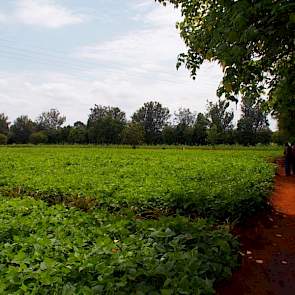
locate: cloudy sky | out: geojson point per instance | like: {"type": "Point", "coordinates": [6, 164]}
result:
{"type": "Point", "coordinates": [72, 54]}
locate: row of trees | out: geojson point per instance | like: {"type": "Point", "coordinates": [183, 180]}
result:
{"type": "Point", "coordinates": [151, 124]}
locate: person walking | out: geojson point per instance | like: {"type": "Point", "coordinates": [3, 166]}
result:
{"type": "Point", "coordinates": [288, 158]}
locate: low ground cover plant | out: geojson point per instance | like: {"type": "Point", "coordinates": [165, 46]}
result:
{"type": "Point", "coordinates": [121, 221]}
{"type": "Point", "coordinates": [58, 250]}
{"type": "Point", "coordinates": [220, 184]}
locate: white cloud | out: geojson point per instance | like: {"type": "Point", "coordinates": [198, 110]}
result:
{"type": "Point", "coordinates": [46, 13]}
{"type": "Point", "coordinates": [131, 69]}
{"type": "Point", "coordinates": [147, 50]}
{"type": "Point", "coordinates": [42, 13]}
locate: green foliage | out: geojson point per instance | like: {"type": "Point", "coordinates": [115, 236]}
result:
{"type": "Point", "coordinates": [252, 41]}
{"type": "Point", "coordinates": [200, 129]}
{"type": "Point", "coordinates": [78, 134]}
{"type": "Point", "coordinates": [51, 120]}
{"type": "Point", "coordinates": [220, 122]}
{"type": "Point", "coordinates": [4, 124]}
{"type": "Point", "coordinates": [38, 137]}
{"type": "Point", "coordinates": [21, 130]}
{"type": "Point", "coordinates": [3, 139]}
{"type": "Point", "coordinates": [153, 117]}
{"type": "Point", "coordinates": [133, 134]}
{"type": "Point", "coordinates": [66, 251]}
{"type": "Point", "coordinates": [211, 184]}
{"type": "Point", "coordinates": [92, 233]}
{"type": "Point", "coordinates": [105, 124]}
{"type": "Point", "coordinates": [253, 127]}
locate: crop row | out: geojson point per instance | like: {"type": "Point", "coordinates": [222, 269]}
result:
{"type": "Point", "coordinates": [219, 184]}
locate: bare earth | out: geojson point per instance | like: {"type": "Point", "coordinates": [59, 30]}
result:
{"type": "Point", "coordinates": [268, 248]}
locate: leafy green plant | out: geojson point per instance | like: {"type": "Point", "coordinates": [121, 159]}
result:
{"type": "Point", "coordinates": [66, 251]}
{"type": "Point", "coordinates": [227, 184]}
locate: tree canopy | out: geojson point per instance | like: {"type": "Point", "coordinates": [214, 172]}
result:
{"type": "Point", "coordinates": [105, 124]}
{"type": "Point", "coordinates": [51, 120]}
{"type": "Point", "coordinates": [4, 124]}
{"type": "Point", "coordinates": [153, 117]}
{"type": "Point", "coordinates": [253, 40]}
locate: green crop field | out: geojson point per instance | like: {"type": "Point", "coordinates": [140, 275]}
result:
{"type": "Point", "coordinates": [90, 220]}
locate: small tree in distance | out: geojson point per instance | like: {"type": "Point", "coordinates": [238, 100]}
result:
{"type": "Point", "coordinates": [3, 139]}
{"type": "Point", "coordinates": [4, 124]}
{"type": "Point", "coordinates": [153, 117]}
{"type": "Point", "coordinates": [133, 134]}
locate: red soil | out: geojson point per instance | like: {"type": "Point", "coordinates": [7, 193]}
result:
{"type": "Point", "coordinates": [268, 248]}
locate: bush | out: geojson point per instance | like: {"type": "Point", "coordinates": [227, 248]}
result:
{"type": "Point", "coordinates": [3, 139]}
{"type": "Point", "coordinates": [38, 137]}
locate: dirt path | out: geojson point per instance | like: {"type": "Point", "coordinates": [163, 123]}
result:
{"type": "Point", "coordinates": [268, 248]}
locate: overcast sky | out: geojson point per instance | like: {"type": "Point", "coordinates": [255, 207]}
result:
{"type": "Point", "coordinates": [72, 54]}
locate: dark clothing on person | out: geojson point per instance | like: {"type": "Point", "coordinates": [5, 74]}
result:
{"type": "Point", "coordinates": [288, 159]}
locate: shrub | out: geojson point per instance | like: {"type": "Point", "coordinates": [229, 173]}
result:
{"type": "Point", "coordinates": [38, 137]}
{"type": "Point", "coordinates": [3, 139]}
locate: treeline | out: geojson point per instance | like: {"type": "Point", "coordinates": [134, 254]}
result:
{"type": "Point", "coordinates": [151, 124]}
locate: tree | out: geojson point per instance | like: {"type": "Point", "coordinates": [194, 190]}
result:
{"type": "Point", "coordinates": [153, 117]}
{"type": "Point", "coordinates": [4, 124]}
{"type": "Point", "coordinates": [213, 136]}
{"type": "Point", "coordinates": [253, 122]}
{"type": "Point", "coordinates": [200, 129]}
{"type": "Point", "coordinates": [168, 134]}
{"type": "Point", "coordinates": [3, 139]}
{"type": "Point", "coordinates": [220, 119]}
{"type": "Point", "coordinates": [184, 119]}
{"type": "Point", "coordinates": [133, 134]}
{"type": "Point", "coordinates": [254, 43]}
{"type": "Point", "coordinates": [78, 133]}
{"type": "Point", "coordinates": [219, 116]}
{"type": "Point", "coordinates": [105, 124]}
{"type": "Point", "coordinates": [21, 130]}
{"type": "Point", "coordinates": [51, 122]}
{"type": "Point", "coordinates": [38, 137]}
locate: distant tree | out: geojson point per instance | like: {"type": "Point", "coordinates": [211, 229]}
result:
{"type": "Point", "coordinates": [184, 117]}
{"type": "Point", "coordinates": [105, 124]}
{"type": "Point", "coordinates": [21, 130]}
{"type": "Point", "coordinates": [253, 121]}
{"type": "Point", "coordinates": [220, 121]}
{"type": "Point", "coordinates": [78, 133]}
{"type": "Point", "coordinates": [38, 137]}
{"type": "Point", "coordinates": [3, 139]}
{"type": "Point", "coordinates": [79, 124]}
{"type": "Point", "coordinates": [51, 122]}
{"type": "Point", "coordinates": [200, 129]}
{"type": "Point", "coordinates": [133, 134]}
{"type": "Point", "coordinates": [153, 117]}
{"type": "Point", "coordinates": [62, 135]}
{"type": "Point", "coordinates": [184, 120]}
{"type": "Point", "coordinates": [214, 136]}
{"type": "Point", "coordinates": [168, 134]}
{"type": "Point", "coordinates": [4, 124]}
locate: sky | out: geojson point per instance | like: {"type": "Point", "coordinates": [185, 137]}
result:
{"type": "Point", "coordinates": [73, 54]}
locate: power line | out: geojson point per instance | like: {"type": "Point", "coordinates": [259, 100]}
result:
{"type": "Point", "coordinates": [63, 62]}
{"type": "Point", "coordinates": [64, 58]}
